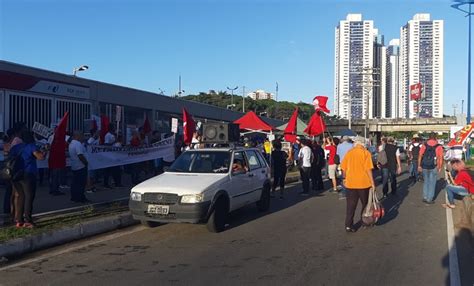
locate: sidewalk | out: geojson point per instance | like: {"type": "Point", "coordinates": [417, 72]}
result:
{"type": "Point", "coordinates": [44, 202]}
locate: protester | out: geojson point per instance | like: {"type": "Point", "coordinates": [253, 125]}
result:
{"type": "Point", "coordinates": [278, 164]}
{"type": "Point", "coordinates": [109, 140]}
{"type": "Point", "coordinates": [79, 166]}
{"type": "Point", "coordinates": [116, 171]}
{"type": "Point", "coordinates": [305, 158]}
{"type": "Point", "coordinates": [342, 150]}
{"type": "Point", "coordinates": [332, 166]}
{"type": "Point", "coordinates": [135, 168]}
{"type": "Point", "coordinates": [392, 168]}
{"type": "Point", "coordinates": [24, 189]}
{"type": "Point", "coordinates": [267, 146]}
{"type": "Point", "coordinates": [357, 172]}
{"type": "Point", "coordinates": [8, 198]}
{"type": "Point", "coordinates": [413, 154]}
{"type": "Point", "coordinates": [430, 162]}
{"type": "Point", "coordinates": [462, 185]}
{"type": "Point", "coordinates": [318, 163]}
{"type": "Point", "coordinates": [93, 140]}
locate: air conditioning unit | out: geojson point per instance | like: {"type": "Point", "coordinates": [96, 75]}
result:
{"type": "Point", "coordinates": [220, 132]}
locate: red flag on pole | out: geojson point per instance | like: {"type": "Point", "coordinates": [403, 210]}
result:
{"type": "Point", "coordinates": [57, 154]}
{"type": "Point", "coordinates": [104, 127]}
{"type": "Point", "coordinates": [146, 125]}
{"type": "Point", "coordinates": [320, 102]}
{"type": "Point", "coordinates": [291, 129]}
{"type": "Point", "coordinates": [316, 125]}
{"type": "Point", "coordinates": [189, 127]}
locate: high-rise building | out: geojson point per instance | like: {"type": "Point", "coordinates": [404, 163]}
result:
{"type": "Point", "coordinates": [392, 80]}
{"type": "Point", "coordinates": [421, 61]}
{"type": "Point", "coordinates": [354, 52]}
{"type": "Point", "coordinates": [379, 88]}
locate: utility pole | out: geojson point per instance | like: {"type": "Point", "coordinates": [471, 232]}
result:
{"type": "Point", "coordinates": [276, 92]}
{"type": "Point", "coordinates": [455, 106]}
{"type": "Point", "coordinates": [243, 99]}
{"type": "Point", "coordinates": [368, 83]}
{"type": "Point", "coordinates": [462, 106]}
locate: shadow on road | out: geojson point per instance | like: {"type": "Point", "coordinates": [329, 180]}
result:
{"type": "Point", "coordinates": [291, 198]}
{"type": "Point", "coordinates": [393, 202]}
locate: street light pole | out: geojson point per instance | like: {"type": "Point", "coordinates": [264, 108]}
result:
{"type": "Point", "coordinates": [232, 94]}
{"type": "Point", "coordinates": [457, 5]}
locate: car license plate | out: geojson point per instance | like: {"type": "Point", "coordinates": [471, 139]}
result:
{"type": "Point", "coordinates": [158, 209]}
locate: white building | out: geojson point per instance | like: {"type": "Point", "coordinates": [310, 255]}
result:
{"type": "Point", "coordinates": [392, 80]}
{"type": "Point", "coordinates": [421, 61]}
{"type": "Point", "coordinates": [354, 51]}
{"type": "Point", "coordinates": [260, 94]}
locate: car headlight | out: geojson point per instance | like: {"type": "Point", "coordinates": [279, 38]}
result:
{"type": "Point", "coordinates": [191, 199]}
{"type": "Point", "coordinates": [135, 196]}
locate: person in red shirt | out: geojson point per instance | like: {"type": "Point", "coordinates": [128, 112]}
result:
{"type": "Point", "coordinates": [430, 162]}
{"type": "Point", "coordinates": [463, 184]}
{"type": "Point", "coordinates": [332, 167]}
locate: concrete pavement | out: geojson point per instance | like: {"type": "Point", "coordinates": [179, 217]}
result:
{"type": "Point", "coordinates": [301, 241]}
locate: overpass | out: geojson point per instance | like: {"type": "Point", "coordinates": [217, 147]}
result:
{"type": "Point", "coordinates": [395, 125]}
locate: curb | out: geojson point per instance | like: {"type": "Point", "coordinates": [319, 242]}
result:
{"type": "Point", "coordinates": [52, 238]}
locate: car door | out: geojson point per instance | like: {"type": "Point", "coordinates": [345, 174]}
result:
{"type": "Point", "coordinates": [240, 183]}
{"type": "Point", "coordinates": [257, 173]}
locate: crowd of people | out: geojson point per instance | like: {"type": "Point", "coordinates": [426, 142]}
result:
{"type": "Point", "coordinates": [349, 165]}
{"type": "Point", "coordinates": [19, 142]}
{"type": "Point", "coordinates": [351, 168]}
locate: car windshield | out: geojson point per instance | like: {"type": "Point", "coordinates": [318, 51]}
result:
{"type": "Point", "coordinates": [202, 162]}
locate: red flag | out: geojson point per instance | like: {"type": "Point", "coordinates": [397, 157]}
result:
{"type": "Point", "coordinates": [57, 154]}
{"type": "Point", "coordinates": [320, 102]}
{"type": "Point", "coordinates": [146, 125]}
{"type": "Point", "coordinates": [291, 129]}
{"type": "Point", "coordinates": [104, 127]}
{"type": "Point", "coordinates": [316, 125]}
{"type": "Point", "coordinates": [462, 135]}
{"type": "Point", "coordinates": [189, 127]}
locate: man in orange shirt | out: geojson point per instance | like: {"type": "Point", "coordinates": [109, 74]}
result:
{"type": "Point", "coordinates": [430, 162]}
{"type": "Point", "coordinates": [357, 170]}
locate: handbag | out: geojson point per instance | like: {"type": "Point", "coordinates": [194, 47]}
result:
{"type": "Point", "coordinates": [13, 170]}
{"type": "Point", "coordinates": [374, 210]}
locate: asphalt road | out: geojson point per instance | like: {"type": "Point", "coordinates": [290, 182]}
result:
{"type": "Point", "coordinates": [301, 241]}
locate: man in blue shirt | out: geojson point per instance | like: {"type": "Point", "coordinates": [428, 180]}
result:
{"type": "Point", "coordinates": [342, 150]}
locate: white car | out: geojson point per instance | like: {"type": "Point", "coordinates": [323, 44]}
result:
{"type": "Point", "coordinates": [202, 186]}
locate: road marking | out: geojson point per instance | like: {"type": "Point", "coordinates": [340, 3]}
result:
{"type": "Point", "coordinates": [72, 248]}
{"type": "Point", "coordinates": [454, 276]}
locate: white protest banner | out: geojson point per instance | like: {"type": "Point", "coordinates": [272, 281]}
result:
{"type": "Point", "coordinates": [174, 125]}
{"type": "Point", "coordinates": [42, 130]}
{"type": "Point", "coordinates": [100, 157]}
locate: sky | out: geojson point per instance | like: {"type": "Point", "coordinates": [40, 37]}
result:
{"type": "Point", "coordinates": [213, 44]}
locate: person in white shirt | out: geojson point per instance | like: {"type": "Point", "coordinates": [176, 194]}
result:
{"type": "Point", "coordinates": [79, 168]}
{"type": "Point", "coordinates": [305, 159]}
{"type": "Point", "coordinates": [109, 138]}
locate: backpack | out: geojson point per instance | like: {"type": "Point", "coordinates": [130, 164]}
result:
{"type": "Point", "coordinates": [428, 161]}
{"type": "Point", "coordinates": [13, 170]}
{"type": "Point", "coordinates": [415, 151]}
{"type": "Point", "coordinates": [382, 157]}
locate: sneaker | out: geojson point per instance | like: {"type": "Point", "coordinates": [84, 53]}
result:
{"type": "Point", "coordinates": [429, 202]}
{"type": "Point", "coordinates": [28, 225]}
{"type": "Point", "coordinates": [64, 187]}
{"type": "Point", "coordinates": [91, 191]}
{"type": "Point", "coordinates": [350, 229]}
{"type": "Point", "coordinates": [342, 197]}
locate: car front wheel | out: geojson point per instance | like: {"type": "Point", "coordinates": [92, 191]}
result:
{"type": "Point", "coordinates": [217, 219]}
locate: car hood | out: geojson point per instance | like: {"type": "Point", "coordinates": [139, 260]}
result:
{"type": "Point", "coordinates": [179, 183]}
